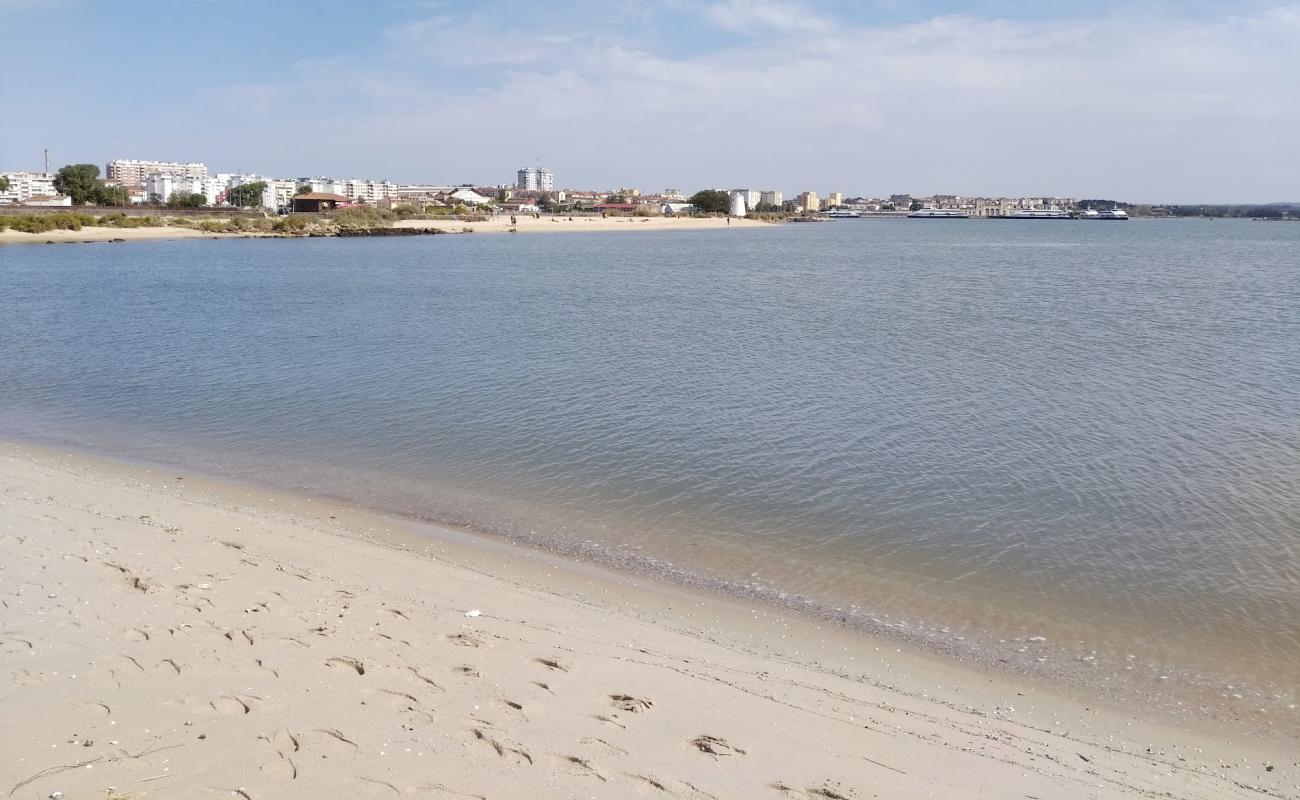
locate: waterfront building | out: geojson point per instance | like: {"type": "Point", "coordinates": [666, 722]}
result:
{"type": "Point", "coordinates": [23, 186]}
{"type": "Point", "coordinates": [368, 191]}
{"type": "Point", "coordinates": [770, 197]}
{"type": "Point", "coordinates": [160, 186]}
{"type": "Point", "coordinates": [833, 200]}
{"type": "Point", "coordinates": [128, 172]}
{"type": "Point", "coordinates": [752, 197]}
{"type": "Point", "coordinates": [808, 201]}
{"type": "Point", "coordinates": [538, 179]}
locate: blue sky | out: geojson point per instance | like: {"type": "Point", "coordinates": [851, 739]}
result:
{"type": "Point", "coordinates": [1150, 101]}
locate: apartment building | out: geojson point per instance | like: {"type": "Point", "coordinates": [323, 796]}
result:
{"type": "Point", "coordinates": [833, 200]}
{"type": "Point", "coordinates": [752, 197]}
{"type": "Point", "coordinates": [537, 179]}
{"type": "Point", "coordinates": [128, 172]}
{"type": "Point", "coordinates": [770, 197]}
{"type": "Point", "coordinates": [23, 186]}
{"type": "Point", "coordinates": [808, 201]}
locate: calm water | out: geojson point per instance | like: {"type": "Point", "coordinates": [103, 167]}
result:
{"type": "Point", "coordinates": [971, 433]}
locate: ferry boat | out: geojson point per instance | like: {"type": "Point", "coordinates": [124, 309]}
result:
{"type": "Point", "coordinates": [1114, 214]}
{"type": "Point", "coordinates": [939, 213]}
{"type": "Point", "coordinates": [843, 213]}
{"type": "Point", "coordinates": [1051, 212]}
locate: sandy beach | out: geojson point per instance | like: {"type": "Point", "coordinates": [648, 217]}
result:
{"type": "Point", "coordinates": [100, 234]}
{"type": "Point", "coordinates": [494, 225]}
{"type": "Point", "coordinates": [167, 635]}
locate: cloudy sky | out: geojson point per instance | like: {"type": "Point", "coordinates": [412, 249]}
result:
{"type": "Point", "coordinates": [1143, 100]}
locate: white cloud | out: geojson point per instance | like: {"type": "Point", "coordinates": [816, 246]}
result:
{"type": "Point", "coordinates": [1134, 107]}
{"type": "Point", "coordinates": [762, 16]}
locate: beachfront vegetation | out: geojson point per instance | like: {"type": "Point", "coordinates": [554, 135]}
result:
{"type": "Point", "coordinates": [186, 200]}
{"type": "Point", "coordinates": [363, 217]}
{"type": "Point", "coordinates": [711, 201]}
{"type": "Point", "coordinates": [4, 183]}
{"type": "Point", "coordinates": [247, 195]}
{"type": "Point", "coordinates": [41, 223]}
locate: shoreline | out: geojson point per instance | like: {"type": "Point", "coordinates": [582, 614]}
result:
{"type": "Point", "coordinates": [97, 234]}
{"type": "Point", "coordinates": [832, 695]}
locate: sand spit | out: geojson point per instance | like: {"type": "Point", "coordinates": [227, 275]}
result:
{"type": "Point", "coordinates": [168, 636]}
{"type": "Point", "coordinates": [91, 234]}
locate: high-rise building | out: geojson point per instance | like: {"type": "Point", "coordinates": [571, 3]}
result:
{"type": "Point", "coordinates": [535, 179]}
{"type": "Point", "coordinates": [770, 197]}
{"type": "Point", "coordinates": [808, 201]}
{"type": "Point", "coordinates": [833, 200]}
{"type": "Point", "coordinates": [128, 172]}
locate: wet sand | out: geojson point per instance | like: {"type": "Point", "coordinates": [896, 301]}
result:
{"type": "Point", "coordinates": [167, 635]}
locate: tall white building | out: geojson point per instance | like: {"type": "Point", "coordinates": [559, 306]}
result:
{"type": "Point", "coordinates": [536, 179]}
{"type": "Point", "coordinates": [369, 192]}
{"type": "Point", "coordinates": [159, 187]}
{"type": "Point", "coordinates": [25, 185]}
{"type": "Point", "coordinates": [128, 172]}
{"type": "Point", "coordinates": [770, 197]}
{"type": "Point", "coordinates": [752, 197]}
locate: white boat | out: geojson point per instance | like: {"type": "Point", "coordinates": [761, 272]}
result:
{"type": "Point", "coordinates": [843, 213]}
{"type": "Point", "coordinates": [1051, 212]}
{"type": "Point", "coordinates": [939, 213]}
{"type": "Point", "coordinates": [1114, 214]}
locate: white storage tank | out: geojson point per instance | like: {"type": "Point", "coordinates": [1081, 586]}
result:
{"type": "Point", "coordinates": [737, 204]}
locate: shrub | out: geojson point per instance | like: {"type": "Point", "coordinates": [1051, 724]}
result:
{"type": "Point", "coordinates": [290, 224]}
{"type": "Point", "coordinates": [363, 217]}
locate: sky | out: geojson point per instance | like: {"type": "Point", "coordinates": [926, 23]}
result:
{"type": "Point", "coordinates": [1141, 100]}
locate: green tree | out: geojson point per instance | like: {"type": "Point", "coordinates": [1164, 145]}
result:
{"type": "Point", "coordinates": [112, 195]}
{"type": "Point", "coordinates": [711, 201]}
{"type": "Point", "coordinates": [616, 198]}
{"type": "Point", "coordinates": [917, 205]}
{"type": "Point", "coordinates": [4, 183]}
{"type": "Point", "coordinates": [304, 189]}
{"type": "Point", "coordinates": [80, 182]}
{"type": "Point", "coordinates": [247, 195]}
{"type": "Point", "coordinates": [186, 200]}
{"type": "Point", "coordinates": [544, 202]}
{"type": "Point", "coordinates": [501, 196]}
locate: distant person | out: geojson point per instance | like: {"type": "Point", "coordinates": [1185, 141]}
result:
{"type": "Point", "coordinates": [513, 221]}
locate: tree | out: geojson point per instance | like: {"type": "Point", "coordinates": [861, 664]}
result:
{"type": "Point", "coordinates": [501, 196]}
{"type": "Point", "coordinates": [4, 183]}
{"type": "Point", "coordinates": [711, 201]}
{"type": "Point", "coordinates": [616, 198]}
{"type": "Point", "coordinates": [917, 205]}
{"type": "Point", "coordinates": [80, 182]}
{"type": "Point", "coordinates": [544, 202]}
{"type": "Point", "coordinates": [304, 189]}
{"type": "Point", "coordinates": [247, 195]}
{"type": "Point", "coordinates": [186, 200]}
{"type": "Point", "coordinates": [112, 195]}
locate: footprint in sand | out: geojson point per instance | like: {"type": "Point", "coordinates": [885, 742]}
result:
{"type": "Point", "coordinates": [626, 702]}
{"type": "Point", "coordinates": [465, 640]}
{"type": "Point", "coordinates": [715, 746]}
{"type": "Point", "coordinates": [232, 704]}
{"type": "Point", "coordinates": [346, 663]}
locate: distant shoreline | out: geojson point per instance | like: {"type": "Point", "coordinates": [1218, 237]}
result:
{"type": "Point", "coordinates": [545, 224]}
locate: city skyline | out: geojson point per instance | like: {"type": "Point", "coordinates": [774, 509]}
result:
{"type": "Point", "coordinates": [1144, 102]}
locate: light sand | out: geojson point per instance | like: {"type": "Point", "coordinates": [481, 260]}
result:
{"type": "Point", "coordinates": [547, 224]}
{"type": "Point", "coordinates": [493, 225]}
{"type": "Point", "coordinates": [97, 234]}
{"type": "Point", "coordinates": [167, 636]}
